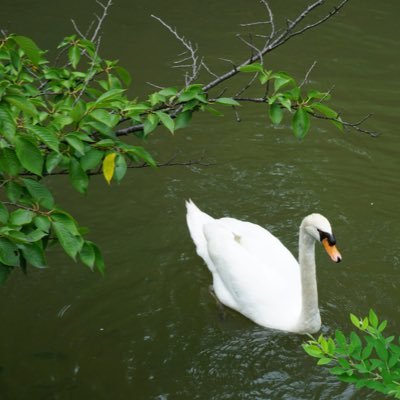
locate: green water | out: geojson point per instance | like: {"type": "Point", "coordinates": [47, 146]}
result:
{"type": "Point", "coordinates": [150, 329]}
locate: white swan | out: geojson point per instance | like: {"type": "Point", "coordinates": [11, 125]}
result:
{"type": "Point", "coordinates": [256, 275]}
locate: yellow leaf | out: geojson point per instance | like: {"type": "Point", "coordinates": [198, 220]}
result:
{"type": "Point", "coordinates": [109, 166]}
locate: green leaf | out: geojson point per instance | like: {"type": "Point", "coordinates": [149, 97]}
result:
{"type": "Point", "coordinates": [300, 123]}
{"type": "Point", "coordinates": [143, 154]}
{"type": "Point", "coordinates": [9, 162]}
{"type": "Point", "coordinates": [74, 55]}
{"type": "Point", "coordinates": [373, 319]}
{"type": "Point", "coordinates": [14, 191]}
{"type": "Point", "coordinates": [183, 119]}
{"type": "Point", "coordinates": [99, 262]}
{"type": "Point", "coordinates": [228, 101]}
{"type": "Point", "coordinates": [255, 67]}
{"type": "Point", "coordinates": [382, 326]}
{"type": "Point", "coordinates": [21, 217]}
{"type": "Point", "coordinates": [29, 155]}
{"type": "Point", "coordinates": [4, 214]}
{"type": "Point", "coordinates": [33, 254]}
{"type": "Point", "coordinates": [105, 117]}
{"type": "Point", "coordinates": [65, 219]}
{"type": "Point", "coordinates": [109, 95]}
{"type": "Point", "coordinates": [120, 167]}
{"type": "Point", "coordinates": [324, 110]}
{"type": "Point", "coordinates": [354, 320]}
{"type": "Point", "coordinates": [46, 136]}
{"type": "Point", "coordinates": [7, 123]}
{"type": "Point", "coordinates": [42, 222]}
{"type": "Point", "coordinates": [171, 91]}
{"type": "Point", "coordinates": [23, 104]}
{"type": "Point", "coordinates": [166, 120]}
{"type": "Point", "coordinates": [381, 350]}
{"type": "Point", "coordinates": [124, 75]}
{"type": "Point", "coordinates": [88, 255]}
{"type": "Point", "coordinates": [150, 123]}
{"type": "Point", "coordinates": [91, 159]}
{"type": "Point", "coordinates": [29, 47]}
{"type": "Point", "coordinates": [75, 143]}
{"type": "Point", "coordinates": [324, 361]}
{"type": "Point", "coordinates": [39, 193]}
{"type": "Point", "coordinates": [52, 161]}
{"type": "Point", "coordinates": [78, 177]}
{"type": "Point", "coordinates": [313, 350]}
{"type": "Point", "coordinates": [71, 244]}
{"type": "Point", "coordinates": [275, 113]}
{"type": "Point", "coordinates": [8, 253]}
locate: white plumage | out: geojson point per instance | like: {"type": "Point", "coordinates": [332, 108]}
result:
{"type": "Point", "coordinates": [256, 275]}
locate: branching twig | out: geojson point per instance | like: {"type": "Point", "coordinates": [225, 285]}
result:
{"type": "Point", "coordinates": [308, 74]}
{"type": "Point", "coordinates": [196, 64]}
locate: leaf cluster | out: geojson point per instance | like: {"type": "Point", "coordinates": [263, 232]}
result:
{"type": "Point", "coordinates": [287, 96]}
{"type": "Point", "coordinates": [366, 359]}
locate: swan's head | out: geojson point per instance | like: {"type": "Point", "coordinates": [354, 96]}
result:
{"type": "Point", "coordinates": [319, 228]}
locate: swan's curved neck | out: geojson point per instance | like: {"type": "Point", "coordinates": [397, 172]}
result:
{"type": "Point", "coordinates": [310, 317]}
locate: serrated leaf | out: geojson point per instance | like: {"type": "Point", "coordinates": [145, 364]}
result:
{"type": "Point", "coordinates": [7, 123]}
{"type": "Point", "coordinates": [29, 155]}
{"type": "Point", "coordinates": [88, 255]}
{"type": "Point", "coordinates": [183, 119]}
{"type": "Point", "coordinates": [143, 154]}
{"type": "Point", "coordinates": [9, 162]}
{"type": "Point", "coordinates": [78, 176]}
{"type": "Point", "coordinates": [39, 193]}
{"type": "Point", "coordinates": [42, 222]}
{"type": "Point", "coordinates": [46, 136]}
{"type": "Point", "coordinates": [324, 110]}
{"type": "Point", "coordinates": [255, 67]}
{"type": "Point", "coordinates": [300, 123]}
{"type": "Point", "coordinates": [124, 75]}
{"type": "Point", "coordinates": [105, 117]}
{"type": "Point", "coordinates": [171, 91]}
{"type": "Point", "coordinates": [29, 47]}
{"type": "Point", "coordinates": [21, 217]}
{"type": "Point", "coordinates": [8, 253]}
{"type": "Point", "coordinates": [91, 159]}
{"type": "Point", "coordinates": [74, 55]}
{"type": "Point", "coordinates": [166, 120]}
{"type": "Point", "coordinates": [227, 101]}
{"type": "Point", "coordinates": [71, 244]}
{"type": "Point", "coordinates": [110, 95]}
{"type": "Point", "coordinates": [99, 262]}
{"type": "Point", "coordinates": [52, 161]}
{"type": "Point", "coordinates": [275, 113]}
{"type": "Point", "coordinates": [23, 104]}
{"type": "Point", "coordinates": [120, 167]}
{"type": "Point", "coordinates": [109, 166]}
{"type": "Point", "coordinates": [33, 254]}
{"type": "Point", "coordinates": [75, 143]}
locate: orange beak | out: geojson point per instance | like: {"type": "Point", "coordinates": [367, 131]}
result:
{"type": "Point", "coordinates": [332, 251]}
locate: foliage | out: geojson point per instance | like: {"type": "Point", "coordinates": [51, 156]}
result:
{"type": "Point", "coordinates": [372, 360]}
{"type": "Point", "coordinates": [68, 118]}
{"type": "Point", "coordinates": [291, 99]}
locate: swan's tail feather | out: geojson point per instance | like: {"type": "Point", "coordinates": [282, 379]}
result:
{"type": "Point", "coordinates": [196, 219]}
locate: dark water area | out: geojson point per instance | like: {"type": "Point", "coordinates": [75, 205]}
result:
{"type": "Point", "coordinates": [150, 329]}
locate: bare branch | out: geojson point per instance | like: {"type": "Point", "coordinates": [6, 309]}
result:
{"type": "Point", "coordinates": [196, 64]}
{"type": "Point", "coordinates": [101, 19]}
{"type": "Point", "coordinates": [308, 74]}
{"type": "Point", "coordinates": [77, 29]}
{"type": "Point", "coordinates": [279, 38]}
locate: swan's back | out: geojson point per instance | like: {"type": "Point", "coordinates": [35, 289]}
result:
{"type": "Point", "coordinates": [253, 272]}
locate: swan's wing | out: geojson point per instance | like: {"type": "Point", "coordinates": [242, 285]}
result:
{"type": "Point", "coordinates": [269, 295]}
{"type": "Point", "coordinates": [261, 244]}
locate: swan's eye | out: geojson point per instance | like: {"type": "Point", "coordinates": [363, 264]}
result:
{"type": "Point", "coordinates": [325, 235]}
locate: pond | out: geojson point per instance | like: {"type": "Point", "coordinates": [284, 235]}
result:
{"type": "Point", "coordinates": [149, 329]}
